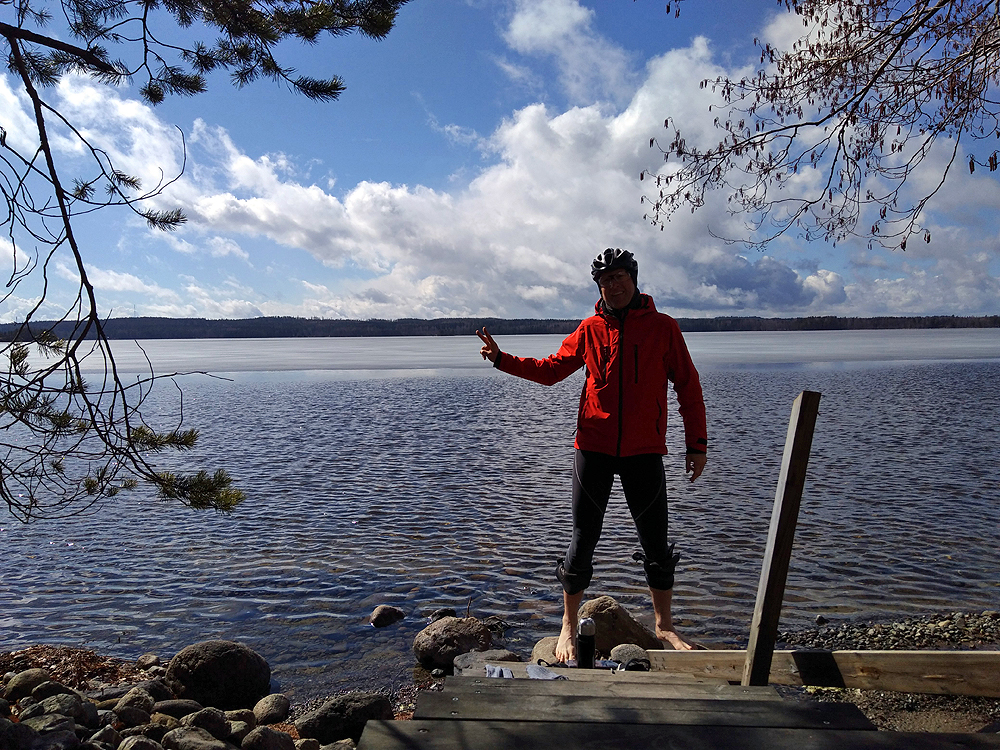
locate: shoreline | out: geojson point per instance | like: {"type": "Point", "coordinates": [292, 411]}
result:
{"type": "Point", "coordinates": [84, 669]}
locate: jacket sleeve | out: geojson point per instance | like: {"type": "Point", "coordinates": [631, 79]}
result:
{"type": "Point", "coordinates": [687, 386]}
{"type": "Point", "coordinates": [550, 370]}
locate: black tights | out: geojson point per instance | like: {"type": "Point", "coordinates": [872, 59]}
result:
{"type": "Point", "coordinates": [646, 494]}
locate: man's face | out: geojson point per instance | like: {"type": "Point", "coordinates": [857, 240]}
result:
{"type": "Point", "coordinates": [616, 288]}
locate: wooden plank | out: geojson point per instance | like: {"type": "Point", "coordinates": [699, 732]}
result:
{"type": "Point", "coordinates": [778, 551]}
{"type": "Point", "coordinates": [503, 688]}
{"type": "Point", "coordinates": [519, 670]}
{"type": "Point", "coordinates": [938, 672]}
{"type": "Point", "coordinates": [609, 709]}
{"type": "Point", "coordinates": [479, 735]}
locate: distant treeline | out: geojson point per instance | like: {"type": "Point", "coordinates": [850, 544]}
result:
{"type": "Point", "coordinates": [200, 328]}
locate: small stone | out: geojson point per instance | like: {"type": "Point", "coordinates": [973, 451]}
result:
{"type": "Point", "coordinates": [240, 729]}
{"type": "Point", "coordinates": [265, 738]}
{"type": "Point", "coordinates": [146, 661]}
{"type": "Point", "coordinates": [384, 615]}
{"type": "Point", "coordinates": [272, 709]}
{"type": "Point", "coordinates": [178, 707]}
{"type": "Point", "coordinates": [212, 720]}
{"type": "Point", "coordinates": [307, 744]}
{"type": "Point", "coordinates": [246, 715]}
{"type": "Point", "coordinates": [626, 652]}
{"type": "Point", "coordinates": [821, 621]}
{"type": "Point", "coordinates": [438, 673]}
{"type": "Point", "coordinates": [60, 740]}
{"type": "Point", "coordinates": [136, 698]}
{"type": "Point", "coordinates": [140, 742]}
{"type": "Point", "coordinates": [131, 716]}
{"type": "Point", "coordinates": [21, 684]}
{"type": "Point", "coordinates": [192, 738]}
{"type": "Point", "coordinates": [107, 736]}
{"type": "Point", "coordinates": [165, 720]}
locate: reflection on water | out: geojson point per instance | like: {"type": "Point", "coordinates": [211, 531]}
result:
{"type": "Point", "coordinates": [453, 490]}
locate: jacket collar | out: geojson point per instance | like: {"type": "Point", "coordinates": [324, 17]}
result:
{"type": "Point", "coordinates": [640, 304]}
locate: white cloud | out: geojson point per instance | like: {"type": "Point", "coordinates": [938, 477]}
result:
{"type": "Point", "coordinates": [590, 67]}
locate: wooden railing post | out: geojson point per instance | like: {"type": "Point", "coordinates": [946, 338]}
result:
{"type": "Point", "coordinates": [771, 591]}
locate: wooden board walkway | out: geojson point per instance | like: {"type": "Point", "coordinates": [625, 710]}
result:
{"type": "Point", "coordinates": [939, 672]}
{"type": "Point", "coordinates": [636, 711]}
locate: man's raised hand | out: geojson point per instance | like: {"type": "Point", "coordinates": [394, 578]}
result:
{"type": "Point", "coordinates": [490, 349]}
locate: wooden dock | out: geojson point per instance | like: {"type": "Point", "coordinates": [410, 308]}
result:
{"type": "Point", "coordinates": [637, 711]}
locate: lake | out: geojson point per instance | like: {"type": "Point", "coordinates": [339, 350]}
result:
{"type": "Point", "coordinates": [407, 471]}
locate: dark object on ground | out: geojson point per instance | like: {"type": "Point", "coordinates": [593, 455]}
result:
{"type": "Point", "coordinates": [222, 674]}
{"type": "Point", "coordinates": [384, 615]}
{"type": "Point", "coordinates": [343, 717]}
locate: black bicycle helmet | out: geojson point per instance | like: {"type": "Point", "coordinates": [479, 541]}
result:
{"type": "Point", "coordinates": [612, 258]}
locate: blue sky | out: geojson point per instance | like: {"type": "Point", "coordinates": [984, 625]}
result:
{"type": "Point", "coordinates": [481, 156]}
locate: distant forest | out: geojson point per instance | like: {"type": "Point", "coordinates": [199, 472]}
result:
{"type": "Point", "coordinates": [200, 328]}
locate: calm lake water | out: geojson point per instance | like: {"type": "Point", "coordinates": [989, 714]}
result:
{"type": "Point", "coordinates": [406, 471]}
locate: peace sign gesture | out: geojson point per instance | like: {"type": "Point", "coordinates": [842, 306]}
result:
{"type": "Point", "coordinates": [490, 349]}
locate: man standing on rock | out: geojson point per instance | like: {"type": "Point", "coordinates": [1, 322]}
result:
{"type": "Point", "coordinates": [631, 352]}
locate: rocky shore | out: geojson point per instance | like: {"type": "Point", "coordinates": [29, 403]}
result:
{"type": "Point", "coordinates": [217, 695]}
{"type": "Point", "coordinates": [913, 712]}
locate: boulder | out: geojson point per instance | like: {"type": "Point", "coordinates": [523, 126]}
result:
{"type": "Point", "coordinates": [616, 626]}
{"type": "Point", "coordinates": [212, 720]}
{"type": "Point", "coordinates": [439, 643]}
{"type": "Point", "coordinates": [63, 704]}
{"type": "Point", "coordinates": [342, 717]}
{"type": "Point", "coordinates": [48, 723]}
{"type": "Point", "coordinates": [21, 684]}
{"type": "Point", "coordinates": [545, 650]}
{"type": "Point", "coordinates": [130, 716]}
{"type": "Point", "coordinates": [626, 652]}
{"type": "Point", "coordinates": [192, 738]}
{"type": "Point", "coordinates": [272, 709]}
{"type": "Point", "coordinates": [178, 708]}
{"type": "Point", "coordinates": [140, 742]}
{"type": "Point", "coordinates": [137, 697]}
{"type": "Point", "coordinates": [245, 715]}
{"type": "Point", "coordinates": [146, 661]}
{"type": "Point", "coordinates": [222, 674]}
{"type": "Point", "coordinates": [14, 736]}
{"type": "Point", "coordinates": [474, 662]}
{"type": "Point", "coordinates": [61, 740]}
{"type": "Point", "coordinates": [265, 738]}
{"type": "Point", "coordinates": [49, 688]}
{"type": "Point", "coordinates": [384, 615]}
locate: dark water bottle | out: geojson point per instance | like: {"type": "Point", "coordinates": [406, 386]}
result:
{"type": "Point", "coordinates": [585, 643]}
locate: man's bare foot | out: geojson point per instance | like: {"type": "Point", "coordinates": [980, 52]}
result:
{"type": "Point", "coordinates": [566, 645]}
{"type": "Point", "coordinates": [673, 638]}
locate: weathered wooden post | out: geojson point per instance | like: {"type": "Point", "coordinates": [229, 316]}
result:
{"type": "Point", "coordinates": [778, 552]}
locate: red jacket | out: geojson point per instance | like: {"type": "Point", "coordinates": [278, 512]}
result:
{"type": "Point", "coordinates": [623, 407]}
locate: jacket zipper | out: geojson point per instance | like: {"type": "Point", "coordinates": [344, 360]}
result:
{"type": "Point", "coordinates": [621, 383]}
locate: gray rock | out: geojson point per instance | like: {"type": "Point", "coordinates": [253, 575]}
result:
{"type": "Point", "coordinates": [192, 738]}
{"type": "Point", "coordinates": [155, 732]}
{"type": "Point", "coordinates": [240, 729]}
{"type": "Point", "coordinates": [49, 688]}
{"type": "Point", "coordinates": [131, 716]}
{"type": "Point", "coordinates": [439, 643]}
{"type": "Point", "coordinates": [158, 689]}
{"type": "Point", "coordinates": [165, 720]}
{"type": "Point", "coordinates": [178, 708]}
{"type": "Point", "coordinates": [15, 736]}
{"type": "Point", "coordinates": [475, 661]}
{"type": "Point", "coordinates": [222, 674]}
{"type": "Point", "coordinates": [545, 649]}
{"type": "Point", "coordinates": [245, 715]}
{"type": "Point", "coordinates": [625, 652]}
{"type": "Point", "coordinates": [59, 740]}
{"type": "Point", "coordinates": [347, 744]}
{"type": "Point", "coordinates": [212, 720]}
{"type": "Point", "coordinates": [437, 614]}
{"type": "Point", "coordinates": [137, 697]}
{"type": "Point", "coordinates": [342, 717]}
{"type": "Point", "coordinates": [307, 744]}
{"type": "Point", "coordinates": [106, 736]}
{"type": "Point", "coordinates": [272, 709]}
{"type": "Point", "coordinates": [65, 704]}
{"type": "Point", "coordinates": [47, 723]}
{"type": "Point", "coordinates": [384, 615]}
{"type": "Point", "coordinates": [265, 738]}
{"type": "Point", "coordinates": [146, 661]}
{"type": "Point", "coordinates": [616, 626]}
{"type": "Point", "coordinates": [21, 684]}
{"type": "Point", "coordinates": [140, 742]}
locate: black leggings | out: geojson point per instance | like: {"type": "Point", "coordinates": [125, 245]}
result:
{"type": "Point", "coordinates": [646, 494]}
